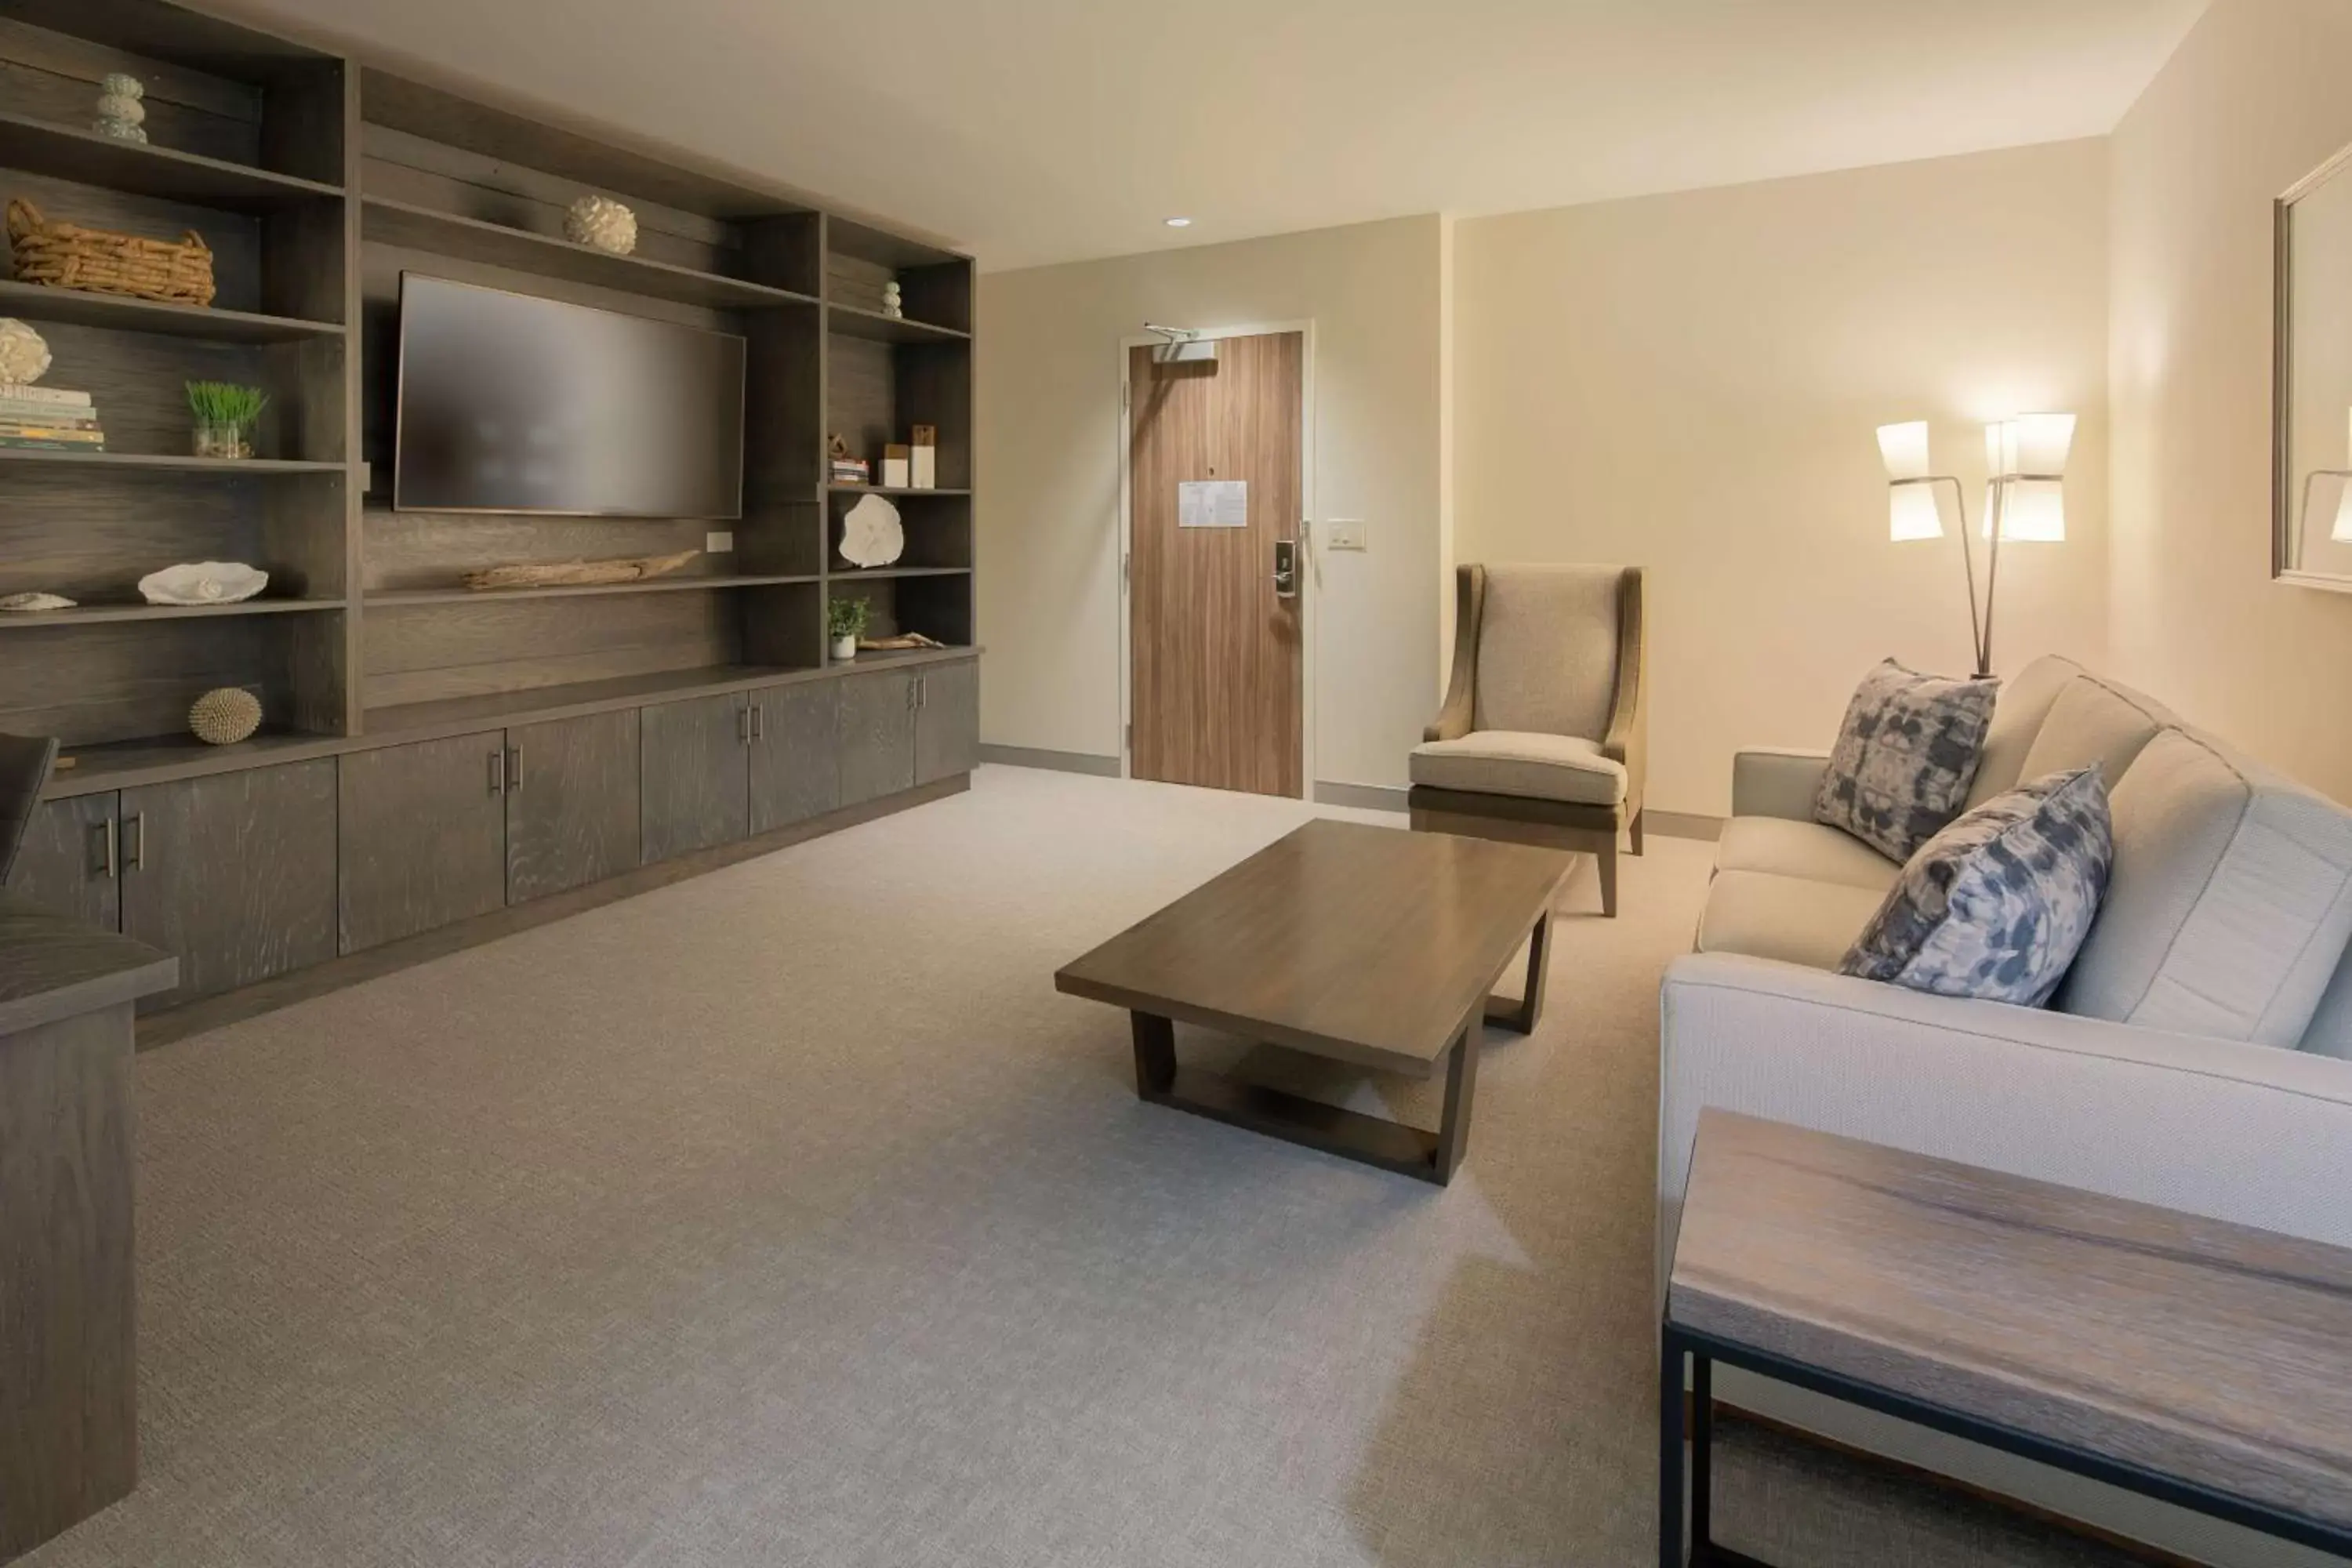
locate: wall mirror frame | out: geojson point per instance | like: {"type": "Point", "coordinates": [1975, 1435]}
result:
{"type": "Point", "coordinates": [2311, 401]}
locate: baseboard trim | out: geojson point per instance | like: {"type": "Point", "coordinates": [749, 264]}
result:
{"type": "Point", "coordinates": [1057, 762]}
{"type": "Point", "coordinates": [1363, 797]}
{"type": "Point", "coordinates": [1681, 825]}
{"type": "Point", "coordinates": [301, 985]}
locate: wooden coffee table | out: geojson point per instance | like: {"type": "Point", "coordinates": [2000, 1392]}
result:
{"type": "Point", "coordinates": [1369, 945]}
{"type": "Point", "coordinates": [2204, 1363]}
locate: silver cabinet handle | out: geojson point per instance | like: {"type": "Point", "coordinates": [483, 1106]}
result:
{"type": "Point", "coordinates": [497, 771]}
{"type": "Point", "coordinates": [136, 841]}
{"type": "Point", "coordinates": [106, 834]}
{"type": "Point", "coordinates": [744, 726]}
{"type": "Point", "coordinates": [759, 720]}
{"type": "Point", "coordinates": [922, 691]}
{"type": "Point", "coordinates": [514, 768]}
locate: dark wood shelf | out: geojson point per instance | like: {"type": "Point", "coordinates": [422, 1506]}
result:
{"type": "Point", "coordinates": [400, 596]}
{"type": "Point", "coordinates": [39, 302]}
{"type": "Point", "coordinates": [138, 169]}
{"type": "Point", "coordinates": [874, 658]}
{"type": "Point", "coordinates": [852, 320]}
{"type": "Point", "coordinates": [155, 462]}
{"type": "Point", "coordinates": [532, 704]}
{"type": "Point", "coordinates": [854, 490]}
{"type": "Point", "coordinates": [847, 574]}
{"type": "Point", "coordinates": [523, 250]}
{"type": "Point", "coordinates": [120, 764]}
{"type": "Point", "coordinates": [87, 615]}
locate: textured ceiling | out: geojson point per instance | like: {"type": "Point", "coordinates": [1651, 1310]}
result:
{"type": "Point", "coordinates": [1037, 130]}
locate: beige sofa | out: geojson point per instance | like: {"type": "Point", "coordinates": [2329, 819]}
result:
{"type": "Point", "coordinates": [2198, 1054]}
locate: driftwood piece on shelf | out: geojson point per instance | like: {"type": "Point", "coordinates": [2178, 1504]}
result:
{"type": "Point", "coordinates": [904, 639]}
{"type": "Point", "coordinates": [579, 573]}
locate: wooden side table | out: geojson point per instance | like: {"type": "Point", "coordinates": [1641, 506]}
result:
{"type": "Point", "coordinates": [2203, 1364]}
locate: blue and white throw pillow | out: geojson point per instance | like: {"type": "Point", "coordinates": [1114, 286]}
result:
{"type": "Point", "coordinates": [1996, 906]}
{"type": "Point", "coordinates": [1905, 757]}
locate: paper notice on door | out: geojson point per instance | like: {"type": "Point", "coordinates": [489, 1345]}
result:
{"type": "Point", "coordinates": [1213, 503]}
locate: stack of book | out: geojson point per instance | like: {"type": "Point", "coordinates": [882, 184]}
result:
{"type": "Point", "coordinates": [850, 471]}
{"type": "Point", "coordinates": [49, 418]}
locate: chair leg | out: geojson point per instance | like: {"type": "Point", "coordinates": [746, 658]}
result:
{"type": "Point", "coordinates": [1634, 830]}
{"type": "Point", "coordinates": [1607, 855]}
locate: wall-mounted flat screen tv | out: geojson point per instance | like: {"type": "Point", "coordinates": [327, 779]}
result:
{"type": "Point", "coordinates": [513, 403]}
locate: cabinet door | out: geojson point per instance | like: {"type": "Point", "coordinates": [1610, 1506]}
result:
{"type": "Point", "coordinates": [877, 735]}
{"type": "Point", "coordinates": [235, 873]}
{"type": "Point", "coordinates": [69, 860]}
{"type": "Point", "coordinates": [423, 837]}
{"type": "Point", "coordinates": [693, 776]}
{"type": "Point", "coordinates": [795, 753]}
{"type": "Point", "coordinates": [572, 812]}
{"type": "Point", "coordinates": [946, 722]}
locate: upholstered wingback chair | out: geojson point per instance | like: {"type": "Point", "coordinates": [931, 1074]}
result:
{"type": "Point", "coordinates": [1544, 734]}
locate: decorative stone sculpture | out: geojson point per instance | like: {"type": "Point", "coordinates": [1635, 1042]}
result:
{"type": "Point", "coordinates": [203, 583]}
{"type": "Point", "coordinates": [23, 353]}
{"type": "Point", "coordinates": [32, 604]}
{"type": "Point", "coordinates": [121, 114]}
{"type": "Point", "coordinates": [871, 534]}
{"type": "Point", "coordinates": [225, 716]}
{"type": "Point", "coordinates": [891, 305]}
{"type": "Point", "coordinates": [602, 222]}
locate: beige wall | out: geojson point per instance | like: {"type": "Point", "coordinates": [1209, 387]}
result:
{"type": "Point", "coordinates": [1691, 383]}
{"type": "Point", "coordinates": [2255, 98]}
{"type": "Point", "coordinates": [1049, 436]}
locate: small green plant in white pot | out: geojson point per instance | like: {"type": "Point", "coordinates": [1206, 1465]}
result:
{"type": "Point", "coordinates": [224, 416]}
{"type": "Point", "coordinates": [845, 620]}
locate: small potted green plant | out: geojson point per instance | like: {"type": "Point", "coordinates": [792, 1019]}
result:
{"type": "Point", "coordinates": [224, 416]}
{"type": "Point", "coordinates": [845, 620]}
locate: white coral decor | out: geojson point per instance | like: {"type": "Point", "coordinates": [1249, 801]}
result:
{"type": "Point", "coordinates": [120, 114]}
{"type": "Point", "coordinates": [602, 222]}
{"type": "Point", "coordinates": [23, 353]}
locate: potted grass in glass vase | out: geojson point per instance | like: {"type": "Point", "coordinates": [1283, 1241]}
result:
{"type": "Point", "coordinates": [225, 415]}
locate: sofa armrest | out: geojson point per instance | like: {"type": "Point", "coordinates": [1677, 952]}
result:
{"type": "Point", "coordinates": [2256, 1134]}
{"type": "Point", "coordinates": [1768, 782]}
{"type": "Point", "coordinates": [1627, 740]}
{"type": "Point", "coordinates": [1454, 720]}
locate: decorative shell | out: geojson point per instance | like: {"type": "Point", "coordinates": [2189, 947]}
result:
{"type": "Point", "coordinates": [225, 716]}
{"type": "Point", "coordinates": [28, 603]}
{"type": "Point", "coordinates": [602, 222]}
{"type": "Point", "coordinates": [203, 583]}
{"type": "Point", "coordinates": [120, 114]}
{"type": "Point", "coordinates": [871, 534]}
{"type": "Point", "coordinates": [23, 353]}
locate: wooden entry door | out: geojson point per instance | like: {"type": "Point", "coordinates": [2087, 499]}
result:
{"type": "Point", "coordinates": [1215, 657]}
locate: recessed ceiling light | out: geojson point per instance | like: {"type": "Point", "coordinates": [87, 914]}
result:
{"type": "Point", "coordinates": [1179, 222]}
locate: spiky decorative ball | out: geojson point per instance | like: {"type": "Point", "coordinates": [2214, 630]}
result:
{"type": "Point", "coordinates": [120, 114]}
{"type": "Point", "coordinates": [23, 353]}
{"type": "Point", "coordinates": [225, 716]}
{"type": "Point", "coordinates": [602, 222]}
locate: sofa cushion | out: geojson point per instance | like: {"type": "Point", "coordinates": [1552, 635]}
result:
{"type": "Point", "coordinates": [2329, 1033]}
{"type": "Point", "coordinates": [2230, 903]}
{"type": "Point", "coordinates": [1806, 850]}
{"type": "Point", "coordinates": [1792, 918]}
{"type": "Point", "coordinates": [2094, 720]}
{"type": "Point", "coordinates": [1996, 906]}
{"type": "Point", "coordinates": [1905, 757]}
{"type": "Point", "coordinates": [1548, 650]}
{"type": "Point", "coordinates": [1514, 762]}
{"type": "Point", "coordinates": [2017, 715]}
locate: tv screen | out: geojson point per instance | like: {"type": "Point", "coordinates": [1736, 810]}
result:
{"type": "Point", "coordinates": [510, 403]}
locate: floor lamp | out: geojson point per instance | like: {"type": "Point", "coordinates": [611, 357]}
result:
{"type": "Point", "coordinates": [2025, 499]}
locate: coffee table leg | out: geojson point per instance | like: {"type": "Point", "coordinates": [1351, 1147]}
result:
{"type": "Point", "coordinates": [1670, 1451]}
{"type": "Point", "coordinates": [1461, 1083]}
{"type": "Point", "coordinates": [1520, 1016]}
{"type": "Point", "coordinates": [1155, 1054]}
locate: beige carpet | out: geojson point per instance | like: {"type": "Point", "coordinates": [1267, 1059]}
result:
{"type": "Point", "coordinates": [787, 1216]}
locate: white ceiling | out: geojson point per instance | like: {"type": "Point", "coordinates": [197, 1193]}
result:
{"type": "Point", "coordinates": [1039, 130]}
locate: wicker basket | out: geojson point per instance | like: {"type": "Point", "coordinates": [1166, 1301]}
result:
{"type": "Point", "coordinates": [67, 256]}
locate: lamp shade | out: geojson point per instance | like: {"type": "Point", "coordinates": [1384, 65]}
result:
{"type": "Point", "coordinates": [2026, 455]}
{"type": "Point", "coordinates": [1912, 514]}
{"type": "Point", "coordinates": [1904, 448]}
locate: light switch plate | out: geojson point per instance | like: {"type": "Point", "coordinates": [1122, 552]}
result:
{"type": "Point", "coordinates": [1347, 533]}
{"type": "Point", "coordinates": [717, 541]}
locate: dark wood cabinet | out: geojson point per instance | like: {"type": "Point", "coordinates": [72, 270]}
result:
{"type": "Point", "coordinates": [947, 721]}
{"type": "Point", "coordinates": [234, 873]}
{"type": "Point", "coordinates": [795, 753]}
{"type": "Point", "coordinates": [574, 807]}
{"type": "Point", "coordinates": [71, 861]}
{"type": "Point", "coordinates": [694, 778]}
{"type": "Point", "coordinates": [877, 735]}
{"type": "Point", "coordinates": [423, 837]}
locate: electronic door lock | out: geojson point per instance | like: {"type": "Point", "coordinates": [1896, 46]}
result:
{"type": "Point", "coordinates": [1286, 569]}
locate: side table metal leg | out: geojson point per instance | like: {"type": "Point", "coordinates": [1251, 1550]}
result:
{"type": "Point", "coordinates": [1701, 1458]}
{"type": "Point", "coordinates": [1670, 1451]}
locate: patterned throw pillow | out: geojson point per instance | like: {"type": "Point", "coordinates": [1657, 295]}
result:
{"type": "Point", "coordinates": [1996, 905]}
{"type": "Point", "coordinates": [1905, 757]}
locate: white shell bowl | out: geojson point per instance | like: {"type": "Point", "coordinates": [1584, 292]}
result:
{"type": "Point", "coordinates": [203, 583]}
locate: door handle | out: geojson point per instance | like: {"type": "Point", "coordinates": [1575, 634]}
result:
{"type": "Point", "coordinates": [744, 725]}
{"type": "Point", "coordinates": [107, 866]}
{"type": "Point", "coordinates": [922, 691]}
{"type": "Point", "coordinates": [497, 771]}
{"type": "Point", "coordinates": [514, 768]}
{"type": "Point", "coordinates": [134, 851]}
{"type": "Point", "coordinates": [1286, 569]}
{"type": "Point", "coordinates": [759, 720]}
